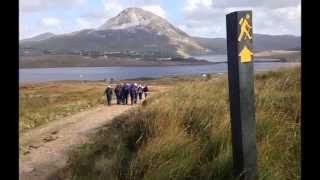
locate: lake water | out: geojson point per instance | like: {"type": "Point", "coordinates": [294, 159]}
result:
{"type": "Point", "coordinates": [119, 73]}
{"type": "Point", "coordinates": [213, 58]}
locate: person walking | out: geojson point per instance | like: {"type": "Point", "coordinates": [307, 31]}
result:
{"type": "Point", "coordinates": [135, 93]}
{"type": "Point", "coordinates": [122, 100]}
{"type": "Point", "coordinates": [132, 93]}
{"type": "Point", "coordinates": [145, 91]}
{"type": "Point", "coordinates": [117, 91]}
{"type": "Point", "coordinates": [108, 92]}
{"type": "Point", "coordinates": [126, 90]}
{"type": "Point", "coordinates": [140, 91]}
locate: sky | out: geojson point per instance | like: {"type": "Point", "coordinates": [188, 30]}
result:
{"type": "Point", "coordinates": [203, 18]}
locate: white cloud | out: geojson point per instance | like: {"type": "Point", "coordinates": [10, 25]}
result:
{"type": "Point", "coordinates": [23, 31]}
{"type": "Point", "coordinates": [43, 5]}
{"type": "Point", "coordinates": [193, 4]}
{"type": "Point", "coordinates": [199, 17]}
{"type": "Point", "coordinates": [256, 3]}
{"type": "Point", "coordinates": [113, 7]}
{"type": "Point", "coordinates": [89, 17]}
{"type": "Point", "coordinates": [208, 18]}
{"type": "Point", "coordinates": [83, 24]}
{"type": "Point", "coordinates": [51, 22]}
{"type": "Point", "coordinates": [26, 31]}
{"type": "Point", "coordinates": [156, 9]}
{"type": "Point", "coordinates": [88, 23]}
{"type": "Point", "coordinates": [278, 21]}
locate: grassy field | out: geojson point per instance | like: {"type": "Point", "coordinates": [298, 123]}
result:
{"type": "Point", "coordinates": [45, 102]}
{"type": "Point", "coordinates": [184, 133]}
{"type": "Point", "coordinates": [41, 103]}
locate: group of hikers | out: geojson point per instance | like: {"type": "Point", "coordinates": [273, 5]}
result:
{"type": "Point", "coordinates": [122, 92]}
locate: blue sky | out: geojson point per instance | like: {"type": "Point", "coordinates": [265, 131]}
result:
{"type": "Point", "coordinates": [205, 18]}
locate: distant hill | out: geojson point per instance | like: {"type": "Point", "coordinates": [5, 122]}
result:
{"type": "Point", "coordinates": [285, 56]}
{"type": "Point", "coordinates": [135, 29]}
{"type": "Point", "coordinates": [261, 42]}
{"type": "Point", "coordinates": [132, 29]}
{"type": "Point", "coordinates": [216, 45]}
{"type": "Point", "coordinates": [39, 37]}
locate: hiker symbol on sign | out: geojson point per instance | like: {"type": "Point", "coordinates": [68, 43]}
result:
{"type": "Point", "coordinates": [244, 28]}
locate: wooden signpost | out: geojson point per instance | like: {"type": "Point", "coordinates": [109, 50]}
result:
{"type": "Point", "coordinates": [241, 94]}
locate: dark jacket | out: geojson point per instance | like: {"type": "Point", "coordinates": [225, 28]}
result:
{"type": "Point", "coordinates": [126, 89]}
{"type": "Point", "coordinates": [145, 89]}
{"type": "Point", "coordinates": [133, 90]}
{"type": "Point", "coordinates": [108, 92]}
{"type": "Point", "coordinates": [117, 91]}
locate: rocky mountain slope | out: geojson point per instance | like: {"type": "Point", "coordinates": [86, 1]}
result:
{"type": "Point", "coordinates": [135, 29]}
{"type": "Point", "coordinates": [132, 29]}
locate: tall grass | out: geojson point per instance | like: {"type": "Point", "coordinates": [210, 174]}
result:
{"type": "Point", "coordinates": [185, 134]}
{"type": "Point", "coordinates": [42, 103]}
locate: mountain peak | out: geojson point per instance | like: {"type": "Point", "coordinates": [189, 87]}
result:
{"type": "Point", "coordinates": [133, 9]}
{"type": "Point", "coordinates": [138, 18]}
{"type": "Point", "coordinates": [141, 30]}
{"type": "Point", "coordinates": [130, 17]}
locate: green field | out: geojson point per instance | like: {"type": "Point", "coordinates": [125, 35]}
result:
{"type": "Point", "coordinates": [41, 103]}
{"type": "Point", "coordinates": [184, 133]}
{"type": "Point", "coordinates": [45, 102]}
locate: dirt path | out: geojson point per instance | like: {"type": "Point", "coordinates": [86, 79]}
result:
{"type": "Point", "coordinates": [45, 149]}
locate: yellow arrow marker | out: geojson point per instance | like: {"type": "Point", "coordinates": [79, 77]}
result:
{"type": "Point", "coordinates": [245, 55]}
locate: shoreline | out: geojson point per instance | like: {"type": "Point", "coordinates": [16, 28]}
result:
{"type": "Point", "coordinates": [72, 61]}
{"type": "Point", "coordinates": [288, 65]}
{"type": "Point", "coordinates": [262, 60]}
{"type": "Point", "coordinates": [146, 65]}
{"type": "Point", "coordinates": [60, 61]}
